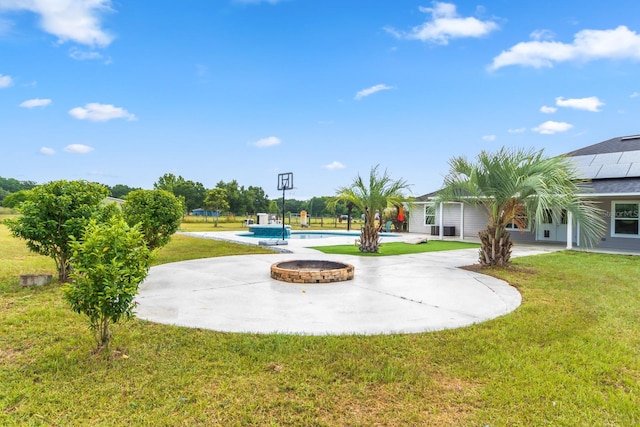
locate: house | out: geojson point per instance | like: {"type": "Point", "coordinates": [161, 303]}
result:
{"type": "Point", "coordinates": [613, 170]}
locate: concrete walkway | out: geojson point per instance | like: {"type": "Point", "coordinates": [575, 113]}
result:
{"type": "Point", "coordinates": [393, 294]}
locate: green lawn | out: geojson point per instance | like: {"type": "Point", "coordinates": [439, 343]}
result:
{"type": "Point", "coordinates": [398, 248]}
{"type": "Point", "coordinates": [569, 356]}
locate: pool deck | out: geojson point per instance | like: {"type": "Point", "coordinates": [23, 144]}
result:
{"type": "Point", "coordinates": [394, 294]}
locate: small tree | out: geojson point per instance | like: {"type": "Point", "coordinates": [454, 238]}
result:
{"type": "Point", "coordinates": [156, 212]}
{"type": "Point", "coordinates": [216, 200]}
{"type": "Point", "coordinates": [52, 214]}
{"type": "Point", "coordinates": [109, 263]}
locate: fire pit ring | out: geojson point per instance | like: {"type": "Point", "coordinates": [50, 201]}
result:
{"type": "Point", "coordinates": [311, 271]}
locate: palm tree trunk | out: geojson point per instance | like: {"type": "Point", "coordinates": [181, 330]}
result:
{"type": "Point", "coordinates": [369, 240]}
{"type": "Point", "coordinates": [495, 247]}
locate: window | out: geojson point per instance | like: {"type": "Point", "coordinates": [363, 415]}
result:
{"type": "Point", "coordinates": [520, 219]}
{"type": "Point", "coordinates": [429, 214]}
{"type": "Point", "coordinates": [547, 217]}
{"type": "Point", "coordinates": [625, 219]}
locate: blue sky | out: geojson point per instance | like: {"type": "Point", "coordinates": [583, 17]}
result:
{"type": "Point", "coordinates": [122, 92]}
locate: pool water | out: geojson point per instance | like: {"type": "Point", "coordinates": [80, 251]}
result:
{"type": "Point", "coordinates": [317, 235]}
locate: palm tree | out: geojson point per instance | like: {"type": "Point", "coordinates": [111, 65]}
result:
{"type": "Point", "coordinates": [381, 191]}
{"type": "Point", "coordinates": [515, 187]}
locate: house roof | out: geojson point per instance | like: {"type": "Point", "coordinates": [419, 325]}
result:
{"type": "Point", "coordinates": [426, 197]}
{"type": "Point", "coordinates": [615, 186]}
{"type": "Point", "coordinates": [614, 145]}
{"type": "Point", "coordinates": [614, 158]}
{"type": "Point", "coordinates": [612, 166]}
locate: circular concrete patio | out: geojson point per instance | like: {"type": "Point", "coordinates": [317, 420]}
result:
{"type": "Point", "coordinates": [394, 294]}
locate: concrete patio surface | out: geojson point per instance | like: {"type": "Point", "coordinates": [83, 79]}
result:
{"type": "Point", "coordinates": [392, 294]}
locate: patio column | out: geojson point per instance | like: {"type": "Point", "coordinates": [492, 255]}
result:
{"type": "Point", "coordinates": [569, 230]}
{"type": "Point", "coordinates": [441, 222]}
{"type": "Point", "coordinates": [461, 221]}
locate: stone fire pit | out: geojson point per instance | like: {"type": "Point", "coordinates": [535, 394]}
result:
{"type": "Point", "coordinates": [311, 271]}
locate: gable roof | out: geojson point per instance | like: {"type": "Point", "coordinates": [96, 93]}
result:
{"type": "Point", "coordinates": [611, 159]}
{"type": "Point", "coordinates": [614, 145]}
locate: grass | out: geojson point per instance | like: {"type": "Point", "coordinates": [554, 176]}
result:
{"type": "Point", "coordinates": [397, 248]}
{"type": "Point", "coordinates": [183, 248]}
{"type": "Point", "coordinates": [570, 355]}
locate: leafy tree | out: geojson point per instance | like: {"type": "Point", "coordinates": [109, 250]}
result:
{"type": "Point", "coordinates": [255, 200]}
{"type": "Point", "coordinates": [3, 193]}
{"type": "Point", "coordinates": [156, 212]}
{"type": "Point", "coordinates": [216, 200]}
{"type": "Point", "coordinates": [167, 182]}
{"type": "Point", "coordinates": [109, 262]}
{"type": "Point", "coordinates": [12, 185]}
{"type": "Point", "coordinates": [12, 200]}
{"type": "Point", "coordinates": [192, 193]}
{"type": "Point", "coordinates": [317, 206]}
{"type": "Point", "coordinates": [120, 190]}
{"type": "Point", "coordinates": [273, 207]}
{"type": "Point", "coordinates": [52, 214]}
{"type": "Point", "coordinates": [234, 196]}
{"type": "Point", "coordinates": [9, 186]}
{"type": "Point", "coordinates": [371, 197]}
{"type": "Point", "coordinates": [518, 187]}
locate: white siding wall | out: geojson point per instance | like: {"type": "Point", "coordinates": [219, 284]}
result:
{"type": "Point", "coordinates": [474, 220]}
{"type": "Point", "coordinates": [416, 219]}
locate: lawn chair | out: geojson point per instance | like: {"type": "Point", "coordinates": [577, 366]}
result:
{"type": "Point", "coordinates": [387, 227]}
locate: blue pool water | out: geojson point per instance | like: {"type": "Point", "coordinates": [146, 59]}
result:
{"type": "Point", "coordinates": [315, 235]}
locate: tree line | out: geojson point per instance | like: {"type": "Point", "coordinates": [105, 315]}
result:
{"type": "Point", "coordinates": [229, 198]}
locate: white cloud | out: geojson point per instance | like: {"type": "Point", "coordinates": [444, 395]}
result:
{"type": "Point", "coordinates": [591, 103]}
{"type": "Point", "coordinates": [489, 138]}
{"type": "Point", "coordinates": [542, 35]}
{"type": "Point", "coordinates": [47, 151]}
{"type": "Point", "coordinates": [445, 24]}
{"type": "Point", "coordinates": [334, 165]}
{"type": "Point", "coordinates": [550, 127]}
{"type": "Point", "coordinates": [5, 81]}
{"type": "Point", "coordinates": [84, 55]}
{"type": "Point", "coordinates": [517, 130]}
{"type": "Point", "coordinates": [634, 95]}
{"type": "Point", "coordinates": [548, 110]}
{"type": "Point", "coordinates": [588, 45]}
{"type": "Point", "coordinates": [69, 20]}
{"type": "Point", "coordinates": [36, 102]}
{"type": "Point", "coordinates": [371, 90]}
{"type": "Point", "coordinates": [267, 142]}
{"type": "Point", "coordinates": [97, 112]}
{"type": "Point", "coordinates": [78, 149]}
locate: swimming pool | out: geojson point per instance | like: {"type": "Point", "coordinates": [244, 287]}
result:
{"type": "Point", "coordinates": [318, 235]}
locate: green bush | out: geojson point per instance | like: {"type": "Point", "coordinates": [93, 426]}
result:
{"type": "Point", "coordinates": [156, 212]}
{"type": "Point", "coordinates": [108, 263]}
{"type": "Point", "coordinates": [54, 213]}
